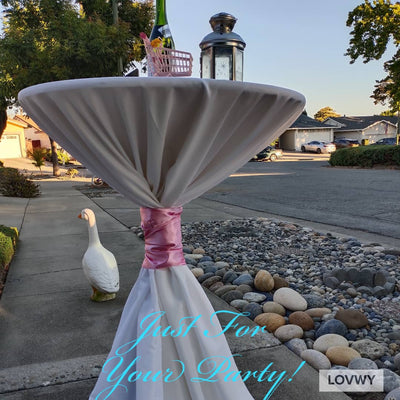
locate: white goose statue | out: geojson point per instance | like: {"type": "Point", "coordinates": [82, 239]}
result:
{"type": "Point", "coordinates": [99, 264]}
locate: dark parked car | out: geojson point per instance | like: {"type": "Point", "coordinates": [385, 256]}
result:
{"type": "Point", "coordinates": [342, 143]}
{"type": "Point", "coordinates": [390, 140]}
{"type": "Point", "coordinates": [268, 154]}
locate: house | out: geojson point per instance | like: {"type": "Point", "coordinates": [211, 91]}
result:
{"type": "Point", "coordinates": [304, 130]}
{"type": "Point", "coordinates": [12, 142]}
{"type": "Point", "coordinates": [34, 136]}
{"type": "Point", "coordinates": [364, 129]}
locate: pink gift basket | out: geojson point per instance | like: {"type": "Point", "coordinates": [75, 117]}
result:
{"type": "Point", "coordinates": [162, 61]}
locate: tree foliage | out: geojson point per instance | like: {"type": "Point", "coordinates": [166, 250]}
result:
{"type": "Point", "coordinates": [375, 25]}
{"type": "Point", "coordinates": [325, 113]}
{"type": "Point", "coordinates": [50, 40]}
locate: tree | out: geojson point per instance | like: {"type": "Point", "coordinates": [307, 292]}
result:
{"type": "Point", "coordinates": [325, 113]}
{"type": "Point", "coordinates": [376, 24]}
{"type": "Point", "coordinates": [47, 40]}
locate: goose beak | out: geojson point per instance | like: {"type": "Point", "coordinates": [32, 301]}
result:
{"type": "Point", "coordinates": [80, 216]}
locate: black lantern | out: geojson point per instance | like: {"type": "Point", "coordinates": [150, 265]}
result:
{"type": "Point", "coordinates": [222, 50]}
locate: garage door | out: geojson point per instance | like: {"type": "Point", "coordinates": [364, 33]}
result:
{"type": "Point", "coordinates": [10, 146]}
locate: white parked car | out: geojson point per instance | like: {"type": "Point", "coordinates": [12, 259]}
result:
{"type": "Point", "coordinates": [318, 147]}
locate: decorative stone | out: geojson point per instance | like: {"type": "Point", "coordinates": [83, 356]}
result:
{"type": "Point", "coordinates": [272, 307]}
{"type": "Point", "coordinates": [245, 279]}
{"type": "Point", "coordinates": [270, 320]}
{"type": "Point", "coordinates": [199, 250]}
{"type": "Point", "coordinates": [232, 295]}
{"type": "Point", "coordinates": [342, 355]}
{"type": "Point", "coordinates": [290, 299]}
{"type": "Point", "coordinates": [393, 394]}
{"type": "Point", "coordinates": [197, 272]}
{"type": "Point", "coordinates": [264, 281]}
{"type": "Point", "coordinates": [253, 309]}
{"type": "Point", "coordinates": [340, 274]}
{"type": "Point", "coordinates": [221, 264]}
{"type": "Point", "coordinates": [391, 380]}
{"type": "Point", "coordinates": [316, 359]}
{"type": "Point", "coordinates": [296, 345]}
{"type": "Point", "coordinates": [389, 287]}
{"type": "Point", "coordinates": [314, 300]}
{"type": "Point", "coordinates": [229, 277]}
{"type": "Point", "coordinates": [280, 282]}
{"type": "Point", "coordinates": [365, 289]}
{"type": "Point", "coordinates": [301, 319]}
{"type": "Point", "coordinates": [379, 291]}
{"type": "Point", "coordinates": [379, 278]}
{"type": "Point", "coordinates": [325, 342]}
{"type": "Point", "coordinates": [362, 363]}
{"type": "Point", "coordinates": [352, 275]}
{"type": "Point", "coordinates": [210, 281]}
{"type": "Point", "coordinates": [332, 326]}
{"type": "Point", "coordinates": [351, 292]}
{"type": "Point", "coordinates": [318, 312]}
{"type": "Point", "coordinates": [369, 349]}
{"type": "Point", "coordinates": [202, 278]}
{"type": "Point", "coordinates": [225, 289]}
{"type": "Point", "coordinates": [288, 332]}
{"type": "Point", "coordinates": [332, 282]}
{"type": "Point", "coordinates": [396, 361]}
{"type": "Point", "coordinates": [239, 304]}
{"type": "Point", "coordinates": [244, 288]}
{"type": "Point", "coordinates": [366, 277]}
{"type": "Point", "coordinates": [353, 319]}
{"type": "Point", "coordinates": [216, 286]}
{"type": "Point", "coordinates": [254, 297]}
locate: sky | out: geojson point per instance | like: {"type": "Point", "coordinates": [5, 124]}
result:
{"type": "Point", "coordinates": [295, 44]}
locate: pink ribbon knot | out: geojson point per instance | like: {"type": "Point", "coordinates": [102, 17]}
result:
{"type": "Point", "coordinates": [162, 237]}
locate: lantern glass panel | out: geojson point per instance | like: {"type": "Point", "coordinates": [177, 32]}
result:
{"type": "Point", "coordinates": [206, 63]}
{"type": "Point", "coordinates": [239, 65]}
{"type": "Point", "coordinates": [223, 63]}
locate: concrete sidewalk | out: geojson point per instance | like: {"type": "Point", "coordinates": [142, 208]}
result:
{"type": "Point", "coordinates": [54, 340]}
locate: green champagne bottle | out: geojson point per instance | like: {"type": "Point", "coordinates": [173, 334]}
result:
{"type": "Point", "coordinates": [161, 28]}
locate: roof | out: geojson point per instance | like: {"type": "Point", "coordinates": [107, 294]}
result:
{"type": "Point", "coordinates": [361, 123]}
{"type": "Point", "coordinates": [305, 121]}
{"type": "Point", "coordinates": [29, 121]}
{"type": "Point", "coordinates": [16, 123]}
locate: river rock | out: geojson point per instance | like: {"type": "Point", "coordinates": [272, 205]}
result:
{"type": "Point", "coordinates": [210, 281]}
{"type": "Point", "coordinates": [270, 320]}
{"type": "Point", "coordinates": [225, 289]}
{"type": "Point", "coordinates": [244, 279]}
{"type": "Point", "coordinates": [254, 297]}
{"type": "Point", "coordinates": [253, 309]}
{"type": "Point", "coordinates": [316, 359]}
{"type": "Point", "coordinates": [216, 286]}
{"type": "Point", "coordinates": [366, 277]}
{"type": "Point", "coordinates": [393, 395]}
{"type": "Point", "coordinates": [342, 355]}
{"type": "Point", "coordinates": [324, 342]}
{"type": "Point", "coordinates": [232, 295]}
{"type": "Point", "coordinates": [318, 312]}
{"type": "Point", "coordinates": [296, 345]}
{"type": "Point", "coordinates": [239, 304]}
{"type": "Point", "coordinates": [391, 380]}
{"type": "Point", "coordinates": [380, 279]}
{"type": "Point", "coordinates": [272, 307]}
{"type": "Point", "coordinates": [332, 326]}
{"type": "Point", "coordinates": [244, 288]}
{"type": "Point", "coordinates": [197, 272]}
{"type": "Point", "coordinates": [362, 363]}
{"type": "Point", "coordinates": [288, 332]}
{"type": "Point", "coordinates": [396, 361]}
{"type": "Point", "coordinates": [353, 319]}
{"type": "Point", "coordinates": [229, 277]}
{"type": "Point", "coordinates": [314, 300]}
{"type": "Point", "coordinates": [264, 282]}
{"type": "Point", "coordinates": [280, 282]}
{"type": "Point", "coordinates": [290, 299]}
{"type": "Point", "coordinates": [301, 319]}
{"type": "Point", "coordinates": [369, 349]}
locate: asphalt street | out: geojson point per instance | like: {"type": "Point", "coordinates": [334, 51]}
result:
{"type": "Point", "coordinates": [364, 200]}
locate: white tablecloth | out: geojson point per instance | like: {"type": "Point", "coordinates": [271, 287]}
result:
{"type": "Point", "coordinates": [162, 142]}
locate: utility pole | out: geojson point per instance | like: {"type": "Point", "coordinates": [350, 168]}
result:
{"type": "Point", "coordinates": [115, 21]}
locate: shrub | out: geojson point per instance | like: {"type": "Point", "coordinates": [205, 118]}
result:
{"type": "Point", "coordinates": [62, 156]}
{"type": "Point", "coordinates": [1, 164]}
{"type": "Point", "coordinates": [11, 232]}
{"type": "Point", "coordinates": [6, 249]}
{"type": "Point", "coordinates": [38, 156]}
{"type": "Point", "coordinates": [366, 156]}
{"type": "Point", "coordinates": [15, 184]}
{"type": "Point", "coordinates": [72, 172]}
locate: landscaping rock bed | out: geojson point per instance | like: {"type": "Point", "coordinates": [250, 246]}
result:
{"type": "Point", "coordinates": [330, 300]}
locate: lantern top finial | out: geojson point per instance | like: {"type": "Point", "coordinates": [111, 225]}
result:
{"type": "Point", "coordinates": [222, 22]}
{"type": "Point", "coordinates": [222, 35]}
